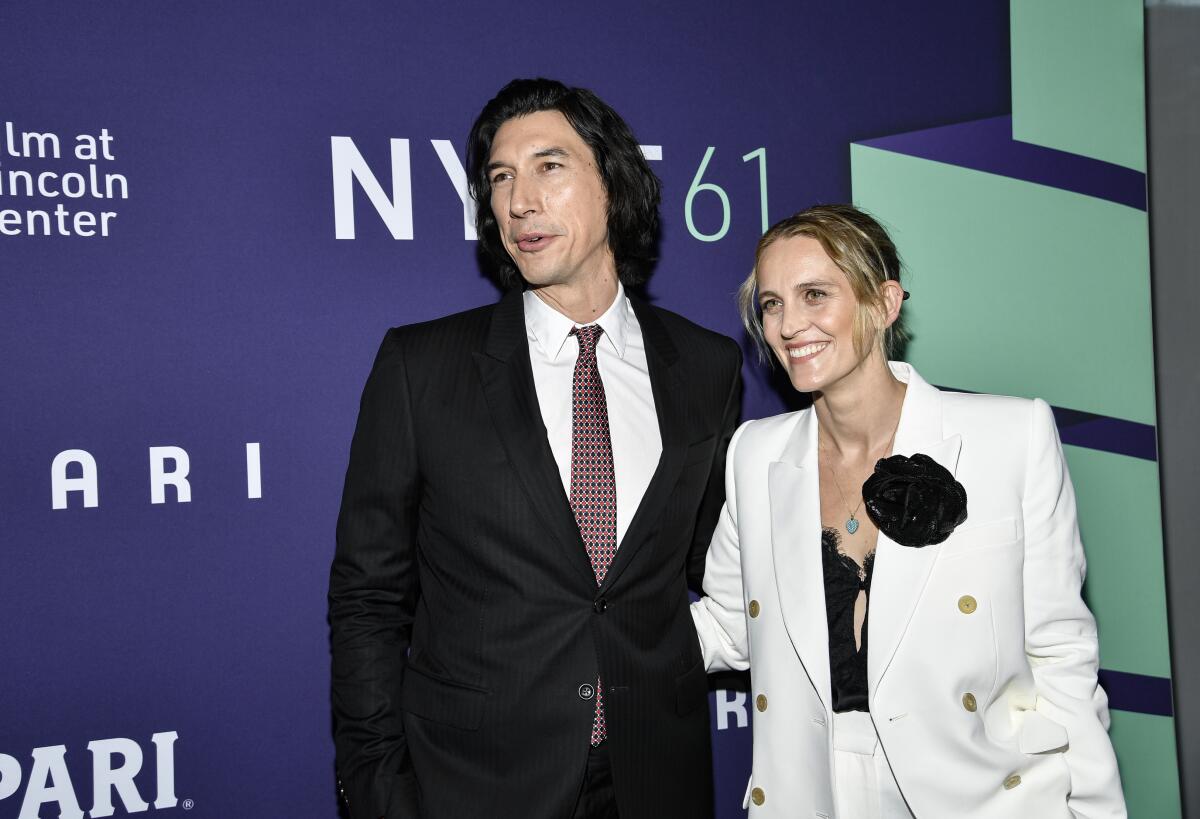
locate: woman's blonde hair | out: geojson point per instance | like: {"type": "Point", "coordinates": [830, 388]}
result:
{"type": "Point", "coordinates": [861, 249]}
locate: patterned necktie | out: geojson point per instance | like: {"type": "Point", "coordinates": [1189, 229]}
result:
{"type": "Point", "coordinates": [593, 481]}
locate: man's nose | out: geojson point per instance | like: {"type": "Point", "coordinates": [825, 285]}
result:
{"type": "Point", "coordinates": [522, 200]}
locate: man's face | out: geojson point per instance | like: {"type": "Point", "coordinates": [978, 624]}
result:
{"type": "Point", "coordinates": [549, 201]}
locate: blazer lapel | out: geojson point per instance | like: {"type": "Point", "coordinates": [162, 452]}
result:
{"type": "Point", "coordinates": [507, 378]}
{"type": "Point", "coordinates": [670, 405]}
{"type": "Point", "coordinates": [901, 572]}
{"type": "Point", "coordinates": [794, 490]}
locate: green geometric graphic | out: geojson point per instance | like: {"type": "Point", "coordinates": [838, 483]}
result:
{"type": "Point", "coordinates": [1039, 291]}
{"type": "Point", "coordinates": [1121, 527]}
{"type": "Point", "coordinates": [1025, 289]}
{"type": "Point", "coordinates": [1077, 79]}
{"type": "Point", "coordinates": [1149, 767]}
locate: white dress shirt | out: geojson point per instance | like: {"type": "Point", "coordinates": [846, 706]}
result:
{"type": "Point", "coordinates": [621, 359]}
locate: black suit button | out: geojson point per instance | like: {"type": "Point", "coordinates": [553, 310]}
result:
{"type": "Point", "coordinates": [587, 691]}
{"type": "Point", "coordinates": [600, 606]}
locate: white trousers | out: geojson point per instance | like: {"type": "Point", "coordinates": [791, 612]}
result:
{"type": "Point", "coordinates": [863, 784]}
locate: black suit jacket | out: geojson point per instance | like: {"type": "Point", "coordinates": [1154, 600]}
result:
{"type": "Point", "coordinates": [464, 612]}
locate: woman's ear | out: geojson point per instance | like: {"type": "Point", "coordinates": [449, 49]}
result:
{"type": "Point", "coordinates": [893, 296]}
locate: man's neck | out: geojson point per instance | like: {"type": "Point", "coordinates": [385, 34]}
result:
{"type": "Point", "coordinates": [582, 302]}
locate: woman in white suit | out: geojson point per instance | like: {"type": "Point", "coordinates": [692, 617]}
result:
{"type": "Point", "coordinates": [899, 567]}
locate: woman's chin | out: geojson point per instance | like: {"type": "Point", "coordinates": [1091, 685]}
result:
{"type": "Point", "coordinates": [804, 380]}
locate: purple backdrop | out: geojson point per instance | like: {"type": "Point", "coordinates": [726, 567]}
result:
{"type": "Point", "coordinates": [221, 310]}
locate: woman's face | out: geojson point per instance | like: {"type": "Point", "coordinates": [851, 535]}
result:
{"type": "Point", "coordinates": [808, 310]}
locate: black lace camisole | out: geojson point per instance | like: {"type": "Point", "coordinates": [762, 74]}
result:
{"type": "Point", "coordinates": [847, 664]}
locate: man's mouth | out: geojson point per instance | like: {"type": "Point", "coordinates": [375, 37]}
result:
{"type": "Point", "coordinates": [533, 242]}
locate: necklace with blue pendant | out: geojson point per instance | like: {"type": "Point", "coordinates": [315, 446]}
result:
{"type": "Point", "coordinates": [852, 521]}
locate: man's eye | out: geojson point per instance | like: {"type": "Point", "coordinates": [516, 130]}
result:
{"type": "Point", "coordinates": [501, 177]}
{"type": "Point", "coordinates": [549, 166]}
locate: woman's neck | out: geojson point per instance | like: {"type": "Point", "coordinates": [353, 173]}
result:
{"type": "Point", "coordinates": [858, 415]}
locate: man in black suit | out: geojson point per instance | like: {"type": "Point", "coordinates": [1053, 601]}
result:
{"type": "Point", "coordinates": [532, 485]}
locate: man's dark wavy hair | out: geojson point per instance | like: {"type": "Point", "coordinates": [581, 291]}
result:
{"type": "Point", "coordinates": [632, 188]}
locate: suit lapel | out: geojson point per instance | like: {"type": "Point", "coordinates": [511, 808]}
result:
{"type": "Point", "coordinates": [794, 490]}
{"type": "Point", "coordinates": [507, 378]}
{"type": "Point", "coordinates": [670, 405]}
{"type": "Point", "coordinates": [901, 572]}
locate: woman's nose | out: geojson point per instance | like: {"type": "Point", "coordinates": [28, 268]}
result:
{"type": "Point", "coordinates": [794, 321]}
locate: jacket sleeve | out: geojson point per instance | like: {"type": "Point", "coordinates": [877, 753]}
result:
{"type": "Point", "coordinates": [714, 490]}
{"type": "Point", "coordinates": [720, 616]}
{"type": "Point", "coordinates": [372, 596]}
{"type": "Point", "coordinates": [1060, 632]}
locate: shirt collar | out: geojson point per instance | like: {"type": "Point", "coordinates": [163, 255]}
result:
{"type": "Point", "coordinates": [551, 330]}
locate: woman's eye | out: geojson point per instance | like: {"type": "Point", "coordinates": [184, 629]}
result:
{"type": "Point", "coordinates": [814, 295]}
{"type": "Point", "coordinates": [771, 305]}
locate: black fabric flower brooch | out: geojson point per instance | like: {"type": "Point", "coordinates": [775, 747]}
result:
{"type": "Point", "coordinates": [914, 501]}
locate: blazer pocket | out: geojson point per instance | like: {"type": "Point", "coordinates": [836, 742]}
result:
{"type": "Point", "coordinates": [691, 689]}
{"type": "Point", "coordinates": [969, 539]}
{"type": "Point", "coordinates": [442, 701]}
{"type": "Point", "coordinates": [1039, 734]}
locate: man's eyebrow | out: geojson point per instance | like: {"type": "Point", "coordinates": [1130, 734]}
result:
{"type": "Point", "coordinates": [544, 152]}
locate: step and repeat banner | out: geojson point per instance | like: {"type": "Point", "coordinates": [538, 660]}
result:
{"type": "Point", "coordinates": [211, 212]}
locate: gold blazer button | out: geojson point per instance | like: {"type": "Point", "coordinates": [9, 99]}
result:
{"type": "Point", "coordinates": [757, 796]}
{"type": "Point", "coordinates": [760, 702]}
{"type": "Point", "coordinates": [969, 702]}
{"type": "Point", "coordinates": [1012, 782]}
{"type": "Point", "coordinates": [754, 608]}
{"type": "Point", "coordinates": [967, 604]}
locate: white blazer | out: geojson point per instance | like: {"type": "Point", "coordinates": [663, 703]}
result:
{"type": "Point", "coordinates": [993, 612]}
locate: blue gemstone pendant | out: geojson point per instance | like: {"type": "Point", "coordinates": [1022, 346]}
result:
{"type": "Point", "coordinates": [852, 525]}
